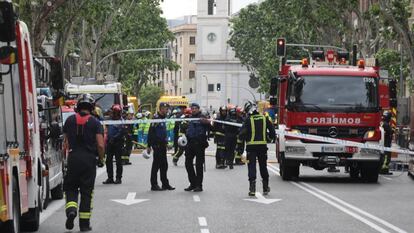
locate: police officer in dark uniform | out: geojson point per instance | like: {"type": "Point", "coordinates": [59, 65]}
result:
{"type": "Point", "coordinates": [386, 118]}
{"type": "Point", "coordinates": [83, 137]}
{"type": "Point", "coordinates": [219, 138]}
{"type": "Point", "coordinates": [253, 131]}
{"type": "Point", "coordinates": [231, 132]}
{"type": "Point", "coordinates": [158, 141]}
{"type": "Point", "coordinates": [114, 147]}
{"type": "Point", "coordinates": [197, 133]}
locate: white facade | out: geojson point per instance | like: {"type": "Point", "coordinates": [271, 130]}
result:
{"type": "Point", "coordinates": [220, 77]}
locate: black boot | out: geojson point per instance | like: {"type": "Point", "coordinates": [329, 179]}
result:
{"type": "Point", "coordinates": [84, 225]}
{"type": "Point", "coordinates": [108, 181]}
{"type": "Point", "coordinates": [266, 188]}
{"type": "Point", "coordinates": [69, 220]}
{"type": "Point", "coordinates": [252, 188]}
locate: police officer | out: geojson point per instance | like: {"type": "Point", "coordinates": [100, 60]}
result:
{"type": "Point", "coordinates": [114, 147]}
{"type": "Point", "coordinates": [219, 138]}
{"type": "Point", "coordinates": [158, 141]}
{"type": "Point", "coordinates": [197, 143]}
{"type": "Point", "coordinates": [386, 118]}
{"type": "Point", "coordinates": [231, 132]}
{"type": "Point", "coordinates": [253, 131]}
{"type": "Point", "coordinates": [182, 130]}
{"type": "Point", "coordinates": [83, 137]}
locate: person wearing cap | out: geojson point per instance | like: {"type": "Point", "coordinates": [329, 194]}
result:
{"type": "Point", "coordinates": [114, 145]}
{"type": "Point", "coordinates": [158, 141]}
{"type": "Point", "coordinates": [197, 133]}
{"type": "Point", "coordinates": [83, 138]}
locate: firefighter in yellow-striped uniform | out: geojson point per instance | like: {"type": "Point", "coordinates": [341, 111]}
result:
{"type": "Point", "coordinates": [257, 131]}
{"type": "Point", "coordinates": [83, 138]}
{"type": "Point", "coordinates": [240, 143]}
{"type": "Point", "coordinates": [219, 138]}
{"type": "Point", "coordinates": [388, 133]}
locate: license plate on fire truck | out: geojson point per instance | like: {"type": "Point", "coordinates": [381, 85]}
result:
{"type": "Point", "coordinates": [336, 149]}
{"type": "Point", "coordinates": [333, 149]}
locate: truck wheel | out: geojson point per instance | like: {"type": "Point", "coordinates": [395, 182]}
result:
{"type": "Point", "coordinates": [287, 172]}
{"type": "Point", "coordinates": [370, 172]}
{"type": "Point", "coordinates": [57, 192]}
{"type": "Point", "coordinates": [45, 202]}
{"type": "Point", "coordinates": [13, 226]}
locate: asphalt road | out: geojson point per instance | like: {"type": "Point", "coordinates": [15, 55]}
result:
{"type": "Point", "coordinates": [317, 202]}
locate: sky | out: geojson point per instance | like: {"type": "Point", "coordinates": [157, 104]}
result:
{"type": "Point", "coordinates": [177, 8]}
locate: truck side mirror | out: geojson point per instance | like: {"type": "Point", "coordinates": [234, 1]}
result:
{"type": "Point", "coordinates": [7, 22]}
{"type": "Point", "coordinates": [274, 85]}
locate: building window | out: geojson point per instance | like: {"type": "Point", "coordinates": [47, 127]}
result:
{"type": "Point", "coordinates": [166, 78]}
{"type": "Point", "coordinates": [191, 90]}
{"type": "Point", "coordinates": [192, 40]}
{"type": "Point", "coordinates": [218, 87]}
{"type": "Point", "coordinates": [179, 92]}
{"type": "Point", "coordinates": [210, 87]}
{"type": "Point", "coordinates": [192, 57]}
{"type": "Point", "coordinates": [211, 7]}
{"type": "Point", "coordinates": [180, 76]}
{"type": "Point", "coordinates": [181, 42]}
{"type": "Point", "coordinates": [191, 74]}
{"type": "Point", "coordinates": [181, 58]}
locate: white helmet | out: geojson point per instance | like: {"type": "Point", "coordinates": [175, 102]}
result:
{"type": "Point", "coordinates": [147, 155]}
{"type": "Point", "coordinates": [182, 141]}
{"type": "Point", "coordinates": [147, 113]}
{"type": "Point", "coordinates": [139, 115]}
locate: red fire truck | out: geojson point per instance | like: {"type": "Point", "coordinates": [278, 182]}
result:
{"type": "Point", "coordinates": [328, 97]}
{"type": "Point", "coordinates": [20, 166]}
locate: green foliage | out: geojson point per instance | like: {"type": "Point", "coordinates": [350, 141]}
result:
{"type": "Point", "coordinates": [257, 27]}
{"type": "Point", "coordinates": [150, 95]}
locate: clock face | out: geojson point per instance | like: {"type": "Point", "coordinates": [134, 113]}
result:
{"type": "Point", "coordinates": [211, 36]}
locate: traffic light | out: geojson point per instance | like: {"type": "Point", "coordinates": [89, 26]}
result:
{"type": "Point", "coordinates": [393, 92]}
{"type": "Point", "coordinates": [281, 47]}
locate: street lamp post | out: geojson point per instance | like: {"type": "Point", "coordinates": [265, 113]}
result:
{"type": "Point", "coordinates": [206, 90]}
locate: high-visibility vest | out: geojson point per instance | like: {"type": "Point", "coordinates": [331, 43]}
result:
{"type": "Point", "coordinates": [258, 130]}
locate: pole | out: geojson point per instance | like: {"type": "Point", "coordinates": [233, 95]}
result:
{"type": "Point", "coordinates": [401, 94]}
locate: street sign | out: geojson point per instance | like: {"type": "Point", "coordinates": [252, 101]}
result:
{"type": "Point", "coordinates": [262, 200]}
{"type": "Point", "coordinates": [130, 200]}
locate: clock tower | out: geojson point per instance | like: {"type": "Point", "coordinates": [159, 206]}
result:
{"type": "Point", "coordinates": [220, 77]}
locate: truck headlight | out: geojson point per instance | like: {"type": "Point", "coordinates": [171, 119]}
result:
{"type": "Point", "coordinates": [369, 134]}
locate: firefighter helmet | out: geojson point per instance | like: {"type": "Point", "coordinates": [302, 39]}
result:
{"type": "Point", "coordinates": [223, 108]}
{"type": "Point", "coordinates": [147, 155]}
{"type": "Point", "coordinates": [86, 101]}
{"type": "Point", "coordinates": [386, 116]}
{"type": "Point", "coordinates": [250, 107]}
{"type": "Point", "coordinates": [147, 114]}
{"type": "Point", "coordinates": [187, 112]}
{"type": "Point", "coordinates": [138, 115]}
{"type": "Point", "coordinates": [182, 141]}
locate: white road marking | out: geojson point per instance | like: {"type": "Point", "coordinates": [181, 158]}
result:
{"type": "Point", "coordinates": [261, 199]}
{"type": "Point", "coordinates": [130, 199]}
{"type": "Point", "coordinates": [202, 221]}
{"type": "Point", "coordinates": [324, 197]}
{"type": "Point", "coordinates": [56, 205]}
{"type": "Point", "coordinates": [196, 198]}
{"type": "Point", "coordinates": [205, 231]}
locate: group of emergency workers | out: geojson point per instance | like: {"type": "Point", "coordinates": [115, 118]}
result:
{"type": "Point", "coordinates": [87, 146]}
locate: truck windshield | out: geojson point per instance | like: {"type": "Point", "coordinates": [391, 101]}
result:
{"type": "Point", "coordinates": [334, 93]}
{"type": "Point", "coordinates": [104, 101]}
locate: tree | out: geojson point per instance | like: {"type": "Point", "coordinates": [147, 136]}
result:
{"type": "Point", "coordinates": [257, 27]}
{"type": "Point", "coordinates": [150, 95]}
